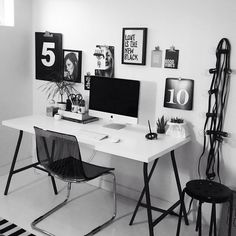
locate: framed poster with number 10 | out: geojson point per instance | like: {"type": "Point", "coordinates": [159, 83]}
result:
{"type": "Point", "coordinates": [179, 93]}
{"type": "Point", "coordinates": [48, 56]}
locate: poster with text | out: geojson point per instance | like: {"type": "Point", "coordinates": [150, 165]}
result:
{"type": "Point", "coordinates": [171, 59]}
{"type": "Point", "coordinates": [134, 41]}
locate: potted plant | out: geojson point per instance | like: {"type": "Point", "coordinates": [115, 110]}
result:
{"type": "Point", "coordinates": [161, 125]}
{"type": "Point", "coordinates": [177, 128]}
{"type": "Point", "coordinates": [58, 87]}
{"type": "Point", "coordinates": [177, 120]}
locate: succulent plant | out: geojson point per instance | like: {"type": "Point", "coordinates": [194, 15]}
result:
{"type": "Point", "coordinates": [161, 125]}
{"type": "Point", "coordinates": [177, 120]}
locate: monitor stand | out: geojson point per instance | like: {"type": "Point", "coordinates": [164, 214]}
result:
{"type": "Point", "coordinates": [115, 126]}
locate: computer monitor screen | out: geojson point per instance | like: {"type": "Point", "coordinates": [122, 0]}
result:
{"type": "Point", "coordinates": [114, 99]}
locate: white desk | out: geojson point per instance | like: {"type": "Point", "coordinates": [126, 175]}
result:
{"type": "Point", "coordinates": [133, 145]}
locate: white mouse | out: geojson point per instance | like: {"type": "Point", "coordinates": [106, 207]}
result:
{"type": "Point", "coordinates": [114, 140]}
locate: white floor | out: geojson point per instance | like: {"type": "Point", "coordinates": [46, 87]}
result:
{"type": "Point", "coordinates": [31, 195]}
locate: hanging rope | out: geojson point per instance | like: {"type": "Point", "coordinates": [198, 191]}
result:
{"type": "Point", "coordinates": [218, 96]}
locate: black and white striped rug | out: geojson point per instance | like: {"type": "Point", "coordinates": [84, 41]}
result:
{"type": "Point", "coordinates": [9, 229]}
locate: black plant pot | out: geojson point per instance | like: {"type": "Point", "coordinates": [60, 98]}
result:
{"type": "Point", "coordinates": [61, 105]}
{"type": "Point", "coordinates": [161, 130]}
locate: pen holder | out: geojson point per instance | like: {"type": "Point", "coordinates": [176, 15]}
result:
{"type": "Point", "coordinates": [74, 108]}
{"type": "Point", "coordinates": [81, 109]}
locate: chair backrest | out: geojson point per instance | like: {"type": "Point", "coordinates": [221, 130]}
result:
{"type": "Point", "coordinates": [59, 153]}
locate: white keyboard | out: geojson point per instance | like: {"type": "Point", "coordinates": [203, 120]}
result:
{"type": "Point", "coordinates": [91, 135]}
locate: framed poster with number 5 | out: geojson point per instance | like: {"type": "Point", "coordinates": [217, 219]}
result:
{"type": "Point", "coordinates": [48, 56]}
{"type": "Point", "coordinates": [179, 93]}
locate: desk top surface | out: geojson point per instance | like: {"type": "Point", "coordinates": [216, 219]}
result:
{"type": "Point", "coordinates": [132, 145]}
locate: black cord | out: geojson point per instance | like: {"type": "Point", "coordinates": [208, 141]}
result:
{"type": "Point", "coordinates": [218, 97]}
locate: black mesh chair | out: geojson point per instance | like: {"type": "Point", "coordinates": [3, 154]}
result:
{"type": "Point", "coordinates": [60, 155]}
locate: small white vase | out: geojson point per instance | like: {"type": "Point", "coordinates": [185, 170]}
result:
{"type": "Point", "coordinates": [177, 130]}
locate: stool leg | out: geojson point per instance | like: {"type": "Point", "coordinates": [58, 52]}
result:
{"type": "Point", "coordinates": [213, 220]}
{"type": "Point", "coordinates": [215, 234]}
{"type": "Point", "coordinates": [180, 212]}
{"type": "Point", "coordinates": [199, 219]}
{"type": "Point", "coordinates": [230, 213]}
{"type": "Point", "coordinates": [196, 229]}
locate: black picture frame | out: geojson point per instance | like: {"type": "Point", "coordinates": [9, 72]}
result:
{"type": "Point", "coordinates": [72, 62]}
{"type": "Point", "coordinates": [179, 93]}
{"type": "Point", "coordinates": [134, 44]}
{"type": "Point", "coordinates": [171, 59]}
{"type": "Point", "coordinates": [48, 56]}
{"type": "Point", "coordinates": [87, 82]}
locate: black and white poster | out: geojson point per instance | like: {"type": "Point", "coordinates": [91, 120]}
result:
{"type": "Point", "coordinates": [48, 55]}
{"type": "Point", "coordinates": [87, 82]}
{"type": "Point", "coordinates": [171, 59]}
{"type": "Point", "coordinates": [72, 60]}
{"type": "Point", "coordinates": [134, 42]}
{"type": "Point", "coordinates": [179, 93]}
{"type": "Point", "coordinates": [105, 61]}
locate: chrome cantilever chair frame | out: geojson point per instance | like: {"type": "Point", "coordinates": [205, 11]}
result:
{"type": "Point", "coordinates": [92, 232]}
{"type": "Point", "coordinates": [72, 177]}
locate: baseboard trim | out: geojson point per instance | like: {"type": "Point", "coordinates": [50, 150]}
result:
{"type": "Point", "coordinates": [127, 192]}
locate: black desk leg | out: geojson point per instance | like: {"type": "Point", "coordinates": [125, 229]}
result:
{"type": "Point", "coordinates": [13, 162]}
{"type": "Point", "coordinates": [178, 184]}
{"type": "Point", "coordinates": [148, 200]}
{"type": "Point", "coordinates": [143, 192]}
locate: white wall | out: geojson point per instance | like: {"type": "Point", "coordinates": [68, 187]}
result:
{"type": "Point", "coordinates": [192, 27]}
{"type": "Point", "coordinates": [16, 78]}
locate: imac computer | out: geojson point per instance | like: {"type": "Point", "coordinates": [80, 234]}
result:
{"type": "Point", "coordinates": [113, 99]}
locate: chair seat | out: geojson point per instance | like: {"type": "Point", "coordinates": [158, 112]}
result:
{"type": "Point", "coordinates": [68, 168]}
{"type": "Point", "coordinates": [208, 191]}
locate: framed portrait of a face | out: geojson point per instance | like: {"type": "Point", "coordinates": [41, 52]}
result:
{"type": "Point", "coordinates": [105, 61]}
{"type": "Point", "coordinates": [72, 60]}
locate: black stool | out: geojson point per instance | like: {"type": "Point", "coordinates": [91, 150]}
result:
{"type": "Point", "coordinates": [210, 192]}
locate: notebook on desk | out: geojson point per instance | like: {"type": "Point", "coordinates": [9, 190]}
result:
{"type": "Point", "coordinates": [84, 121]}
{"type": "Point", "coordinates": [77, 117]}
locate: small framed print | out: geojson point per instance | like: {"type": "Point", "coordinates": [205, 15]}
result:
{"type": "Point", "coordinates": [171, 58]}
{"type": "Point", "coordinates": [105, 61]}
{"type": "Point", "coordinates": [134, 42]}
{"type": "Point", "coordinates": [156, 59]}
{"type": "Point", "coordinates": [87, 82]}
{"type": "Point", "coordinates": [72, 60]}
{"type": "Point", "coordinates": [179, 93]}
